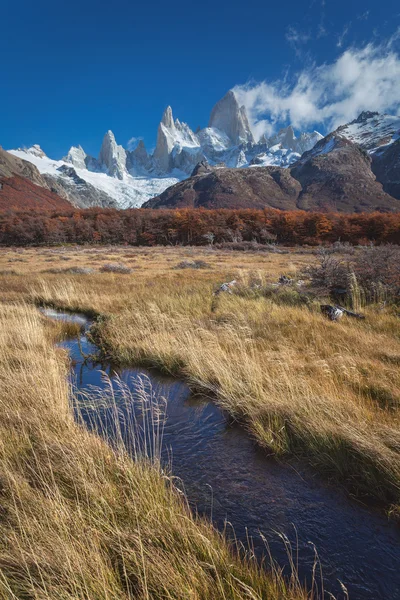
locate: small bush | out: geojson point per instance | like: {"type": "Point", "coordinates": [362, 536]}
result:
{"type": "Point", "coordinates": [370, 275]}
{"type": "Point", "coordinates": [288, 296]}
{"type": "Point", "coordinates": [70, 271]}
{"type": "Point", "coordinates": [81, 270]}
{"type": "Point", "coordinates": [193, 264]}
{"type": "Point", "coordinates": [338, 248]}
{"type": "Point", "coordinates": [282, 295]}
{"type": "Point", "coordinates": [116, 268]}
{"type": "Point", "coordinates": [8, 272]}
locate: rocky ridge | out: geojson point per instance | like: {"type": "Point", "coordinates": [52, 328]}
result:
{"type": "Point", "coordinates": [335, 175]}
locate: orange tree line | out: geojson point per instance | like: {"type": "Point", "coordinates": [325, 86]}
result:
{"type": "Point", "coordinates": [146, 227]}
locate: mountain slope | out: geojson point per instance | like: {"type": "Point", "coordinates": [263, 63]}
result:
{"type": "Point", "coordinates": [386, 167]}
{"type": "Point", "coordinates": [371, 130]}
{"type": "Point", "coordinates": [232, 188]}
{"type": "Point", "coordinates": [22, 186]}
{"type": "Point", "coordinates": [11, 165]}
{"type": "Point", "coordinates": [379, 135]}
{"type": "Point", "coordinates": [18, 193]}
{"type": "Point", "coordinates": [335, 175]}
{"type": "Point", "coordinates": [90, 188]}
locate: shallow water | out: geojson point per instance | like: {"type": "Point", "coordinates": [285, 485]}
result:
{"type": "Point", "coordinates": [227, 478]}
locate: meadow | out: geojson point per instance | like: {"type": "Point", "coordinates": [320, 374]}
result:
{"type": "Point", "coordinates": [303, 387]}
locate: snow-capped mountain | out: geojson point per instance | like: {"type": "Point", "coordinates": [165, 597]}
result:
{"type": "Point", "coordinates": [124, 178]}
{"type": "Point", "coordinates": [227, 141]}
{"type": "Point", "coordinates": [229, 117]}
{"type": "Point", "coordinates": [88, 186]}
{"type": "Point", "coordinates": [371, 130]}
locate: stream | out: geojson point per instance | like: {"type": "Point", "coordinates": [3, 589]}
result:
{"type": "Point", "coordinates": [228, 479]}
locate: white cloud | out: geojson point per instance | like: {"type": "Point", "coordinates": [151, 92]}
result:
{"type": "Point", "coordinates": [297, 38]}
{"type": "Point", "coordinates": [328, 95]}
{"type": "Point", "coordinates": [341, 37]}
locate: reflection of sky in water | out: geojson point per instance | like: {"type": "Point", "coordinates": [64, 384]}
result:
{"type": "Point", "coordinates": [225, 476]}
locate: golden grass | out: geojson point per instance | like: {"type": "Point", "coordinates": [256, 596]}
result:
{"type": "Point", "coordinates": [328, 392]}
{"type": "Point", "coordinates": [80, 521]}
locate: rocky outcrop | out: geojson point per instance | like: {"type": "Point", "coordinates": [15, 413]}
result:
{"type": "Point", "coordinates": [335, 175]}
{"type": "Point", "coordinates": [230, 118]}
{"type": "Point", "coordinates": [201, 168]}
{"type": "Point", "coordinates": [379, 135]}
{"type": "Point", "coordinates": [112, 157]}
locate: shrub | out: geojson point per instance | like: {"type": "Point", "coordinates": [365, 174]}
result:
{"type": "Point", "coordinates": [339, 248]}
{"type": "Point", "coordinates": [8, 272]}
{"type": "Point", "coordinates": [81, 270]}
{"type": "Point", "coordinates": [288, 296]}
{"type": "Point", "coordinates": [193, 264]}
{"type": "Point", "coordinates": [331, 273]}
{"type": "Point", "coordinates": [116, 268]}
{"type": "Point", "coordinates": [70, 270]}
{"type": "Point", "coordinates": [371, 275]}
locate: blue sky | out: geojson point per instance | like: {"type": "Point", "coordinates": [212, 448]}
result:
{"type": "Point", "coordinates": [71, 71]}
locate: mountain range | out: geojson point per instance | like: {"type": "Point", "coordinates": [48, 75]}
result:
{"type": "Point", "coordinates": [125, 179]}
{"type": "Point", "coordinates": [356, 167]}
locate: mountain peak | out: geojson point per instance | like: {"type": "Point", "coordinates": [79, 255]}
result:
{"type": "Point", "coordinates": [372, 130]}
{"type": "Point", "coordinates": [177, 146]}
{"type": "Point", "coordinates": [109, 135]}
{"type": "Point", "coordinates": [112, 157]}
{"type": "Point", "coordinates": [167, 118]}
{"type": "Point", "coordinates": [230, 118]}
{"type": "Point", "coordinates": [365, 116]}
{"type": "Point", "coordinates": [141, 145]}
{"type": "Point", "coordinates": [76, 156]}
{"type": "Point", "coordinates": [140, 152]}
{"type": "Point", "coordinates": [36, 150]}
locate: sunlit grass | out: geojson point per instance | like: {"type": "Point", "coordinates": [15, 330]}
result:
{"type": "Point", "coordinates": [81, 520]}
{"type": "Point", "coordinates": [301, 385]}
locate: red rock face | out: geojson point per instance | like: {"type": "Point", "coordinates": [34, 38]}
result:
{"type": "Point", "coordinates": [19, 193]}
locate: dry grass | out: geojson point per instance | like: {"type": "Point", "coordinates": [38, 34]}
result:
{"type": "Point", "coordinates": [302, 386]}
{"type": "Point", "coordinates": [81, 521]}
